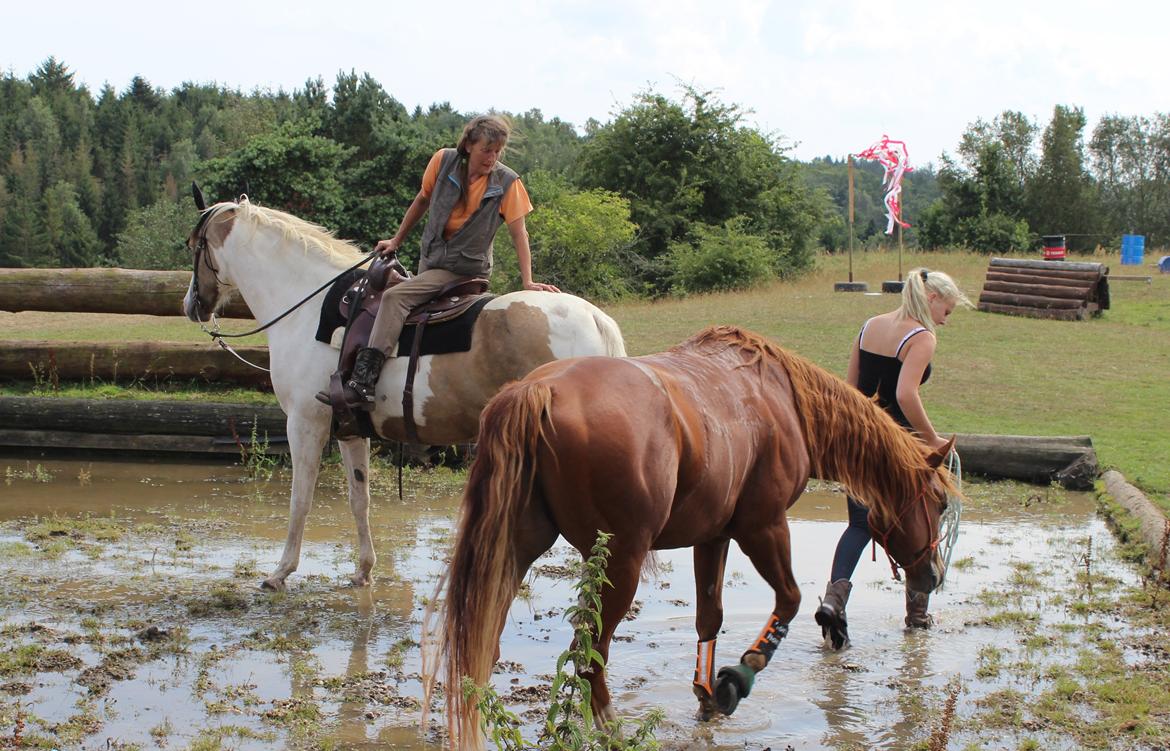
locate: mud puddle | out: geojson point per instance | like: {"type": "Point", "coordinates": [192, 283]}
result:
{"type": "Point", "coordinates": [130, 618]}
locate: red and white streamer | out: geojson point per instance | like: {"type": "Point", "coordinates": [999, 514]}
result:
{"type": "Point", "coordinates": [895, 158]}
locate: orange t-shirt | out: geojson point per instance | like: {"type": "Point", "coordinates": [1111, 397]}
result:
{"type": "Point", "coordinates": [514, 205]}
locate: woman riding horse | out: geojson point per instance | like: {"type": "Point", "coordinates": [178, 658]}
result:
{"type": "Point", "coordinates": [468, 193]}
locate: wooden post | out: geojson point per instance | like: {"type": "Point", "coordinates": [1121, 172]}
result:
{"type": "Point", "coordinates": [850, 218]}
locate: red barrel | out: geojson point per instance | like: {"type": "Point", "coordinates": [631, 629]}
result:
{"type": "Point", "coordinates": [1054, 249]}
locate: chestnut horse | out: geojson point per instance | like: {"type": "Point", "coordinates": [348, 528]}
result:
{"type": "Point", "coordinates": [708, 442]}
{"type": "Point", "coordinates": [274, 259]}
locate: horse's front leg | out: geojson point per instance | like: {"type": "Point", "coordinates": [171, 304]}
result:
{"type": "Point", "coordinates": [355, 454]}
{"type": "Point", "coordinates": [306, 439]}
{"type": "Point", "coordinates": [770, 552]}
{"type": "Point", "coordinates": [710, 562]}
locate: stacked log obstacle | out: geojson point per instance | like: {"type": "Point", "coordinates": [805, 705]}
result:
{"type": "Point", "coordinates": [1070, 461]}
{"type": "Point", "coordinates": [1060, 290]}
{"type": "Point", "coordinates": [120, 425]}
{"type": "Point", "coordinates": [155, 293]}
{"type": "Point", "coordinates": [128, 361]}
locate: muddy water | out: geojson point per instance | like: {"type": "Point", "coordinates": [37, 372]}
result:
{"type": "Point", "coordinates": [181, 548]}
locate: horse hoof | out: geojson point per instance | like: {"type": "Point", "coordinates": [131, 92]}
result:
{"type": "Point", "coordinates": [733, 684]}
{"type": "Point", "coordinates": [360, 580]}
{"type": "Point", "coordinates": [707, 706]}
{"type": "Point", "coordinates": [272, 584]}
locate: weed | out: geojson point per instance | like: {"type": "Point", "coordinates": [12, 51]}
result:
{"type": "Point", "coordinates": [254, 455]}
{"type": "Point", "coordinates": [569, 723]}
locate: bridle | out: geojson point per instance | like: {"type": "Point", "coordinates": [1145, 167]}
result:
{"type": "Point", "coordinates": [202, 255]}
{"type": "Point", "coordinates": [884, 537]}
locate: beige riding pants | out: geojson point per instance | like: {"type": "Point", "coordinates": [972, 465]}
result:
{"type": "Point", "coordinates": [399, 300]}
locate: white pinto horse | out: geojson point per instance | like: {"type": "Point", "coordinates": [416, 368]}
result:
{"type": "Point", "coordinates": [274, 259]}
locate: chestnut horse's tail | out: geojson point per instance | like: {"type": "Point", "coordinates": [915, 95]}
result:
{"type": "Point", "coordinates": [483, 578]}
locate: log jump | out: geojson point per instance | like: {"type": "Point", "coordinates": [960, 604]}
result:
{"type": "Point", "coordinates": [1061, 290]}
{"type": "Point", "coordinates": [149, 361]}
{"type": "Point", "coordinates": [128, 291]}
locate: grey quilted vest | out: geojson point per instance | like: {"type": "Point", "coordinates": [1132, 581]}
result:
{"type": "Point", "coordinates": [469, 251]}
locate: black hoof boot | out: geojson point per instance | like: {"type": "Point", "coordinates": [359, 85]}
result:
{"type": "Point", "coordinates": [731, 685]}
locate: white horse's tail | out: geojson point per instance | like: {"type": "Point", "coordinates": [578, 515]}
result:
{"type": "Point", "coordinates": [611, 335]}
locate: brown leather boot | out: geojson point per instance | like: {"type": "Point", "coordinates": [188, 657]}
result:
{"type": "Point", "coordinates": [916, 605]}
{"type": "Point", "coordinates": [367, 367]}
{"type": "Point", "coordinates": [831, 614]}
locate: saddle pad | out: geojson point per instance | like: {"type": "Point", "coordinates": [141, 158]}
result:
{"type": "Point", "coordinates": [448, 336]}
{"type": "Point", "coordinates": [331, 318]}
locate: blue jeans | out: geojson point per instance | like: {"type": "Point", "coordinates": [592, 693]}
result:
{"type": "Point", "coordinates": [852, 543]}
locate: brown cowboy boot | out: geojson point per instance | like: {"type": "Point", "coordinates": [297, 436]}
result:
{"type": "Point", "coordinates": [831, 614]}
{"type": "Point", "coordinates": [367, 367]}
{"type": "Point", "coordinates": [916, 605]}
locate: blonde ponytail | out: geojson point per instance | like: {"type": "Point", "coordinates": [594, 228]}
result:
{"type": "Point", "coordinates": [920, 283]}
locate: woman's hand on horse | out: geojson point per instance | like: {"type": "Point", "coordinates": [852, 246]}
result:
{"type": "Point", "coordinates": [539, 287]}
{"type": "Point", "coordinates": [386, 247]}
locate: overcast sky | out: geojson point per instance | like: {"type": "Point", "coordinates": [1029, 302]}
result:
{"type": "Point", "coordinates": [828, 76]}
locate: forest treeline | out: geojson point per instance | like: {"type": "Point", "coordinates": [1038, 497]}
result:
{"type": "Point", "coordinates": [671, 195]}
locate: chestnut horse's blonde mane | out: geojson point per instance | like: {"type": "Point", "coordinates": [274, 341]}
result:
{"type": "Point", "coordinates": [309, 236]}
{"type": "Point", "coordinates": [849, 438]}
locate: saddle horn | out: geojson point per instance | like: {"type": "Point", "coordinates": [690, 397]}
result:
{"type": "Point", "coordinates": [197, 194]}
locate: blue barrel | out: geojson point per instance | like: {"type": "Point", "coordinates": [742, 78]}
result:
{"type": "Point", "coordinates": [1133, 250]}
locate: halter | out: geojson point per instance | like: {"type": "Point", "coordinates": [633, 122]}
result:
{"type": "Point", "coordinates": [202, 253]}
{"type": "Point", "coordinates": [884, 537]}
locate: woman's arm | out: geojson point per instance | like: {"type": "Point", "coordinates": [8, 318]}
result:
{"type": "Point", "coordinates": [853, 372]}
{"type": "Point", "coordinates": [918, 355]}
{"type": "Point", "coordinates": [418, 207]}
{"type": "Point", "coordinates": [519, 232]}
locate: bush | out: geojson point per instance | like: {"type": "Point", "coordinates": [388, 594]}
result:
{"type": "Point", "coordinates": [156, 236]}
{"type": "Point", "coordinates": [721, 258]}
{"type": "Point", "coordinates": [578, 239]}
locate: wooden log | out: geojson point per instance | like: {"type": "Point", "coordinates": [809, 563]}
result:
{"type": "Point", "coordinates": [994, 275]}
{"type": "Point", "coordinates": [1152, 523]}
{"type": "Point", "coordinates": [1039, 290]}
{"type": "Point", "coordinates": [133, 417]}
{"type": "Point", "coordinates": [138, 444]}
{"type": "Point", "coordinates": [1030, 301]}
{"type": "Point", "coordinates": [1068, 460]}
{"type": "Point", "coordinates": [1027, 263]}
{"type": "Point", "coordinates": [1049, 313]}
{"type": "Point", "coordinates": [128, 291]}
{"type": "Point", "coordinates": [79, 361]}
{"type": "Point", "coordinates": [1084, 277]}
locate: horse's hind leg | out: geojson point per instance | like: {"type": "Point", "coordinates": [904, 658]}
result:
{"type": "Point", "coordinates": [769, 551]}
{"type": "Point", "coordinates": [355, 454]}
{"type": "Point", "coordinates": [623, 570]}
{"type": "Point", "coordinates": [710, 562]}
{"type": "Point", "coordinates": [306, 439]}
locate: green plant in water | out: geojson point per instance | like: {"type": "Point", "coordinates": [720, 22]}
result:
{"type": "Point", "coordinates": [569, 725]}
{"type": "Point", "coordinates": [254, 456]}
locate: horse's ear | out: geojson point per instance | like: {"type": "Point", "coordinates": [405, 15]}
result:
{"type": "Point", "coordinates": [936, 457]}
{"type": "Point", "coordinates": [197, 194]}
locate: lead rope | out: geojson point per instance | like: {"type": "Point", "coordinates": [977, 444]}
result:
{"type": "Point", "coordinates": [948, 525]}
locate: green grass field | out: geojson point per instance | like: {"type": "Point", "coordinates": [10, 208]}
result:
{"type": "Point", "coordinates": [1107, 377]}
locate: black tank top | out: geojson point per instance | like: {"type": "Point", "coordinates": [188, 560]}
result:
{"type": "Point", "coordinates": [878, 374]}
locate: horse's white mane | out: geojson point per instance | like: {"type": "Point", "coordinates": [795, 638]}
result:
{"type": "Point", "coordinates": [310, 236]}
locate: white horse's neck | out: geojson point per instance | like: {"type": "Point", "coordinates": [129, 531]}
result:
{"type": "Point", "coordinates": [274, 273]}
